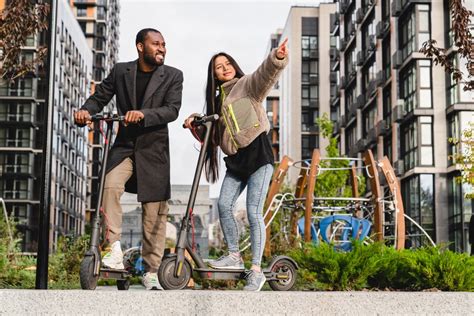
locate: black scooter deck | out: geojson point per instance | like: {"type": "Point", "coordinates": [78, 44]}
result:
{"type": "Point", "coordinates": [107, 273]}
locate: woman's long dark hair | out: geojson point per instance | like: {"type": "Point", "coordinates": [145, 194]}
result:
{"type": "Point", "coordinates": [213, 106]}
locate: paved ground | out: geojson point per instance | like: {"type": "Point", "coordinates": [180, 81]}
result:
{"type": "Point", "coordinates": [109, 301]}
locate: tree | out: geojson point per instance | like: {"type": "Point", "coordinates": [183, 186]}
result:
{"type": "Point", "coordinates": [18, 20]}
{"type": "Point", "coordinates": [333, 183]}
{"type": "Point", "coordinates": [463, 42]}
{"type": "Point", "coordinates": [465, 158]}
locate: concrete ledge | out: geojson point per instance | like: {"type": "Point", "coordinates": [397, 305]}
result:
{"type": "Point", "coordinates": [195, 302]}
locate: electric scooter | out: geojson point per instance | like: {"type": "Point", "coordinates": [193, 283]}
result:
{"type": "Point", "coordinates": [176, 270]}
{"type": "Point", "coordinates": [91, 269]}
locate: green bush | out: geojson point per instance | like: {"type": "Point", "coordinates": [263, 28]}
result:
{"type": "Point", "coordinates": [377, 266]}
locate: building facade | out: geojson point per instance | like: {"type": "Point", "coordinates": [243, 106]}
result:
{"type": "Point", "coordinates": [99, 21]}
{"type": "Point", "coordinates": [304, 86]}
{"type": "Point", "coordinates": [22, 115]}
{"type": "Point", "coordinates": [359, 62]}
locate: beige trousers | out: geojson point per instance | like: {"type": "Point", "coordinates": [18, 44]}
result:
{"type": "Point", "coordinates": [154, 216]}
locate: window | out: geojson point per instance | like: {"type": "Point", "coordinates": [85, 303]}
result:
{"type": "Point", "coordinates": [309, 71]}
{"type": "Point", "coordinates": [81, 11]}
{"type": "Point", "coordinates": [309, 46]}
{"type": "Point", "coordinates": [351, 139]}
{"type": "Point", "coordinates": [387, 106]}
{"type": "Point", "coordinates": [417, 143]}
{"type": "Point", "coordinates": [308, 120]}
{"type": "Point", "coordinates": [15, 137]}
{"type": "Point", "coordinates": [386, 58]}
{"type": "Point", "coordinates": [418, 200]}
{"type": "Point", "coordinates": [308, 143]}
{"type": "Point", "coordinates": [14, 189]}
{"type": "Point", "coordinates": [369, 117]}
{"type": "Point", "coordinates": [15, 163]}
{"type": "Point", "coordinates": [14, 111]}
{"type": "Point", "coordinates": [414, 29]}
{"type": "Point", "coordinates": [309, 96]}
{"type": "Point", "coordinates": [455, 91]}
{"type": "Point", "coordinates": [18, 88]}
{"type": "Point", "coordinates": [408, 87]}
{"type": "Point", "coordinates": [460, 212]}
{"type": "Point", "coordinates": [409, 145]}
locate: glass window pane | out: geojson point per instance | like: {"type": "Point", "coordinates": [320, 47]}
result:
{"type": "Point", "coordinates": [426, 158]}
{"type": "Point", "coordinates": [425, 98]}
{"type": "Point", "coordinates": [426, 137]}
{"type": "Point", "coordinates": [425, 77]}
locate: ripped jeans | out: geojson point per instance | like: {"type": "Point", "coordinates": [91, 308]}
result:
{"type": "Point", "coordinates": [257, 187]}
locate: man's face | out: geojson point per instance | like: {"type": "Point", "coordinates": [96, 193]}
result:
{"type": "Point", "coordinates": [153, 49]}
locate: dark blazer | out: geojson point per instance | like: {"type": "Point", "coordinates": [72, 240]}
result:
{"type": "Point", "coordinates": [147, 142]}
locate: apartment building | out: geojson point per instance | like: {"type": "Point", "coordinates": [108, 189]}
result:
{"type": "Point", "coordinates": [304, 87]}
{"type": "Point", "coordinates": [22, 115]}
{"type": "Point", "coordinates": [99, 21]}
{"type": "Point", "coordinates": [396, 102]}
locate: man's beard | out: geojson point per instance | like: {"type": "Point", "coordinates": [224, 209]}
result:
{"type": "Point", "coordinates": [150, 59]}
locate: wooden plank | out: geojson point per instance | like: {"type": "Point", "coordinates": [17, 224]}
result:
{"type": "Point", "coordinates": [299, 193]}
{"type": "Point", "coordinates": [394, 187]}
{"type": "Point", "coordinates": [376, 193]}
{"type": "Point", "coordinates": [313, 172]}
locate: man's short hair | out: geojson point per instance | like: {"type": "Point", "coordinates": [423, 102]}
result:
{"type": "Point", "coordinates": [143, 33]}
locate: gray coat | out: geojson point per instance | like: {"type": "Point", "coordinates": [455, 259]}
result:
{"type": "Point", "coordinates": [147, 142]}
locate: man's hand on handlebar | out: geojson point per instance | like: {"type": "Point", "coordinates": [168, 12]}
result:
{"type": "Point", "coordinates": [133, 117]}
{"type": "Point", "coordinates": [82, 117]}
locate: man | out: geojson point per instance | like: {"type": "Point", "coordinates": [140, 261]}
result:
{"type": "Point", "coordinates": [148, 94]}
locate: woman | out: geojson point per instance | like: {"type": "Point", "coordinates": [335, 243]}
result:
{"type": "Point", "coordinates": [241, 133]}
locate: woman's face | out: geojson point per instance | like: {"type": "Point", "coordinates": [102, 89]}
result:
{"type": "Point", "coordinates": [223, 69]}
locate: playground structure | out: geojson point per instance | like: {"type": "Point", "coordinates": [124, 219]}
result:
{"type": "Point", "coordinates": [378, 216]}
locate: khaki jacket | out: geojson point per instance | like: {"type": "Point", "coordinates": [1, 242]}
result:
{"type": "Point", "coordinates": [244, 96]}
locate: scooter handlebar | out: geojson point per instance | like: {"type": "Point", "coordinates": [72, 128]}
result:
{"type": "Point", "coordinates": [200, 120]}
{"type": "Point", "coordinates": [107, 117]}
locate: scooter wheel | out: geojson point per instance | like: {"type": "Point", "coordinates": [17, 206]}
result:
{"type": "Point", "coordinates": [287, 269]}
{"type": "Point", "coordinates": [123, 285]}
{"type": "Point", "coordinates": [168, 280]}
{"type": "Point", "coordinates": [86, 274]}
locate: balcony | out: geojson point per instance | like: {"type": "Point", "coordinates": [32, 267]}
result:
{"type": "Point", "coordinates": [344, 5]}
{"type": "Point", "coordinates": [360, 58]}
{"type": "Point", "coordinates": [396, 8]}
{"type": "Point", "coordinates": [379, 79]}
{"type": "Point", "coordinates": [361, 145]}
{"type": "Point", "coordinates": [333, 53]}
{"type": "Point", "coordinates": [343, 121]}
{"type": "Point", "coordinates": [372, 43]}
{"type": "Point", "coordinates": [333, 77]}
{"type": "Point", "coordinates": [359, 16]}
{"type": "Point", "coordinates": [334, 23]}
{"type": "Point", "coordinates": [398, 112]}
{"type": "Point", "coordinates": [371, 136]}
{"type": "Point", "coordinates": [382, 29]}
{"type": "Point", "coordinates": [360, 101]}
{"type": "Point", "coordinates": [381, 128]}
{"type": "Point", "coordinates": [399, 168]}
{"type": "Point", "coordinates": [313, 79]}
{"type": "Point", "coordinates": [397, 60]}
{"type": "Point", "coordinates": [343, 44]}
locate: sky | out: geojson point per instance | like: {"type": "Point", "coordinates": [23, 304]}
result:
{"type": "Point", "coordinates": [194, 31]}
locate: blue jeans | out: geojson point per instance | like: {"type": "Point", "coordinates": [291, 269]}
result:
{"type": "Point", "coordinates": [257, 187]}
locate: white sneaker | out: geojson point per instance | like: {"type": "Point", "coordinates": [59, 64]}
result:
{"type": "Point", "coordinates": [150, 281]}
{"type": "Point", "coordinates": [114, 258]}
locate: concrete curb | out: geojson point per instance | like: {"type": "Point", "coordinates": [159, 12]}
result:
{"type": "Point", "coordinates": [195, 302]}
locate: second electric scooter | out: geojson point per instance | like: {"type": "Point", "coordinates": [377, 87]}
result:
{"type": "Point", "coordinates": [176, 270]}
{"type": "Point", "coordinates": [91, 269]}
